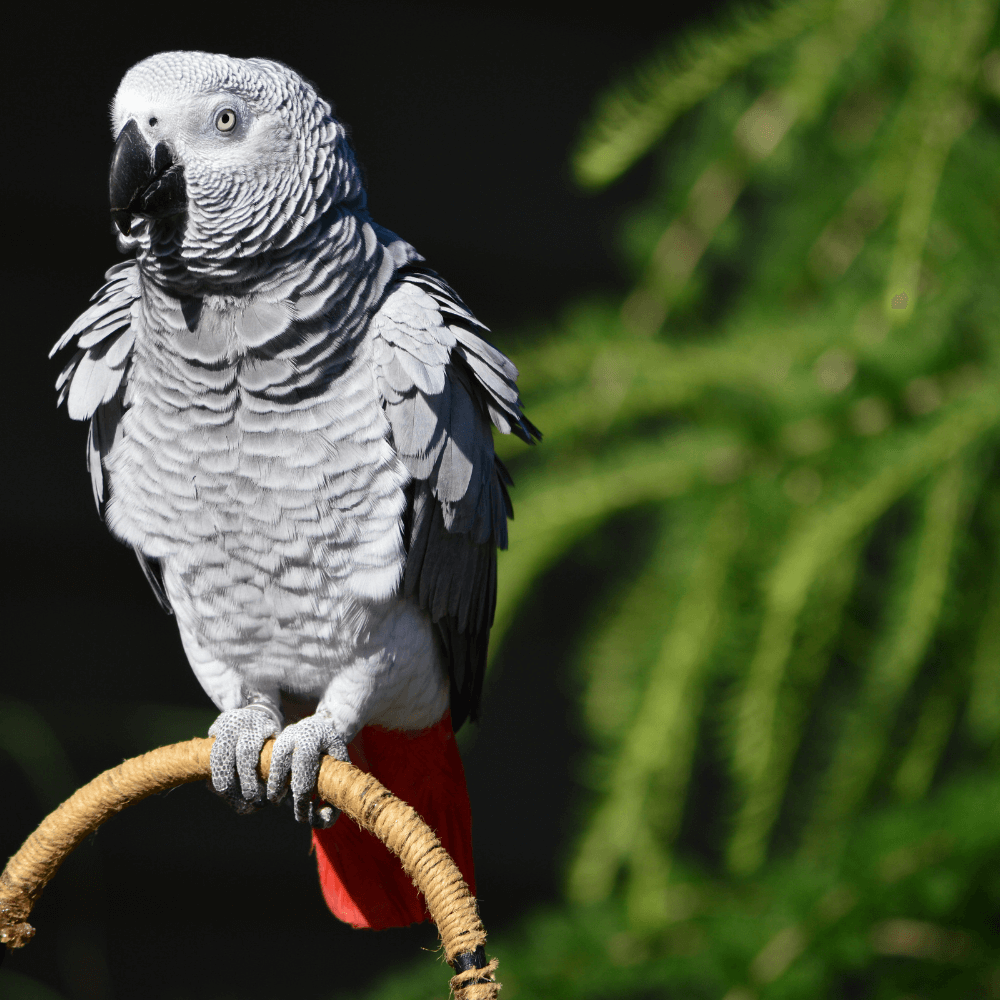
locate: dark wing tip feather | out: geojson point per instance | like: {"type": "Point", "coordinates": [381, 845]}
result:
{"type": "Point", "coordinates": [503, 481]}
{"type": "Point", "coordinates": [502, 471]}
{"type": "Point", "coordinates": [151, 571]}
{"type": "Point", "coordinates": [527, 431]}
{"type": "Point", "coordinates": [458, 504]}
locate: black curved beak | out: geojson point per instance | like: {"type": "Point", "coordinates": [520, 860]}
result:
{"type": "Point", "coordinates": [143, 181]}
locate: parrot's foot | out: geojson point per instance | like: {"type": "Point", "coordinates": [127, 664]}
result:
{"type": "Point", "coordinates": [239, 736]}
{"type": "Point", "coordinates": [296, 760]}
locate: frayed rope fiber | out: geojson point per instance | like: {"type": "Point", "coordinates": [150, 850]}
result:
{"type": "Point", "coordinates": [362, 797]}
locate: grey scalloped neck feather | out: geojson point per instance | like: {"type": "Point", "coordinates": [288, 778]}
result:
{"type": "Point", "coordinates": [290, 423]}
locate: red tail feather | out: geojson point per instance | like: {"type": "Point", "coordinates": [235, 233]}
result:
{"type": "Point", "coordinates": [362, 881]}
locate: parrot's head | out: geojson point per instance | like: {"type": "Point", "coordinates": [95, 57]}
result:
{"type": "Point", "coordinates": [222, 157]}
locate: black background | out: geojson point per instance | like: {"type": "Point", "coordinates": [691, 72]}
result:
{"type": "Point", "coordinates": [463, 122]}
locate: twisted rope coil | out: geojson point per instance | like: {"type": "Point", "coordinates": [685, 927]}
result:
{"type": "Point", "coordinates": [362, 797]}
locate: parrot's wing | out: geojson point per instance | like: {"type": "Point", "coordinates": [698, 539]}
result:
{"type": "Point", "coordinates": [442, 386]}
{"type": "Point", "coordinates": [93, 383]}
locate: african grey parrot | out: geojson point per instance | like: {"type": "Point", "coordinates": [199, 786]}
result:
{"type": "Point", "coordinates": [290, 423]}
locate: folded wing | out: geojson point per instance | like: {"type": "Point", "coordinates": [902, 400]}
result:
{"type": "Point", "coordinates": [93, 383]}
{"type": "Point", "coordinates": [444, 388]}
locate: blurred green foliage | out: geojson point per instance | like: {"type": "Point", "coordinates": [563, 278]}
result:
{"type": "Point", "coordinates": [804, 387]}
{"type": "Point", "coordinates": [793, 706]}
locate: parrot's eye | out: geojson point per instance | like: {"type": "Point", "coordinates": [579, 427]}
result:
{"type": "Point", "coordinates": [226, 120]}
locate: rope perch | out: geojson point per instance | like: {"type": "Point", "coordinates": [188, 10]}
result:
{"type": "Point", "coordinates": [360, 796]}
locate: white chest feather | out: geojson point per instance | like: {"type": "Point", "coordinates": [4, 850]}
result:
{"type": "Point", "coordinates": [271, 496]}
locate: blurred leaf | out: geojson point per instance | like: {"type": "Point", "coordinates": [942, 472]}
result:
{"type": "Point", "coordinates": [896, 660]}
{"type": "Point", "coordinates": [17, 986]}
{"type": "Point", "coordinates": [30, 742]}
{"type": "Point", "coordinates": [659, 740]}
{"type": "Point", "coordinates": [984, 697]}
{"type": "Point", "coordinates": [634, 115]}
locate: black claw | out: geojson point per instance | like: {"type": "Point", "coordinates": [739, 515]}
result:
{"type": "Point", "coordinates": [321, 817]}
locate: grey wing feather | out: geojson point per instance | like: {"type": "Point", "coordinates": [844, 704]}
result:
{"type": "Point", "coordinates": [93, 383]}
{"type": "Point", "coordinates": [443, 386]}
